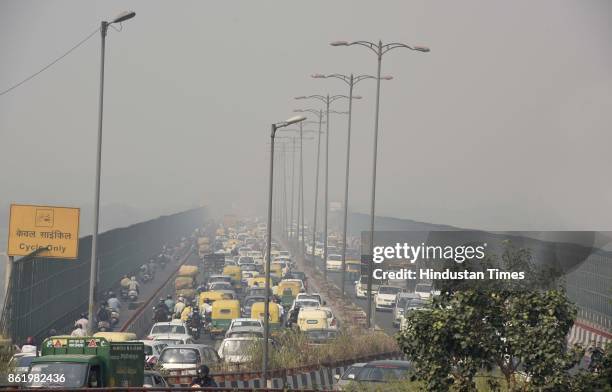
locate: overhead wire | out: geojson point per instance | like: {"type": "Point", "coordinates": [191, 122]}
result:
{"type": "Point", "coordinates": [51, 63]}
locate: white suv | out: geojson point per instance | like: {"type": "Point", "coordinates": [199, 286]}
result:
{"type": "Point", "coordinates": [385, 297]}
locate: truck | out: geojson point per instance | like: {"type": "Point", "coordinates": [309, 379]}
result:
{"type": "Point", "coordinates": [87, 362]}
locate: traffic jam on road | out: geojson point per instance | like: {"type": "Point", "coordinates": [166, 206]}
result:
{"type": "Point", "coordinates": [213, 322]}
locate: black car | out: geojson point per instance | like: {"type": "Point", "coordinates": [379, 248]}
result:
{"type": "Point", "coordinates": [384, 371]}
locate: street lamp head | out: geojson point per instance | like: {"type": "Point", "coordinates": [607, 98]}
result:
{"type": "Point", "coordinates": [339, 43]}
{"type": "Point", "coordinates": [421, 48]}
{"type": "Point", "coordinates": [295, 119]}
{"type": "Point", "coordinates": [298, 110]}
{"type": "Point", "coordinates": [300, 97]}
{"type": "Point", "coordinates": [357, 97]}
{"type": "Point", "coordinates": [386, 77]}
{"type": "Point", "coordinates": [125, 15]}
{"type": "Point", "coordinates": [318, 76]}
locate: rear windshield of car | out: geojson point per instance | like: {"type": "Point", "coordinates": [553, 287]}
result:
{"type": "Point", "coordinates": [388, 290]}
{"type": "Point", "coordinates": [308, 303]}
{"type": "Point", "coordinates": [334, 257]}
{"type": "Point", "coordinates": [170, 342]}
{"type": "Point", "coordinates": [351, 370]}
{"type": "Point", "coordinates": [167, 328]}
{"type": "Point", "coordinates": [247, 323]}
{"type": "Point", "coordinates": [179, 355]}
{"type": "Point", "coordinates": [423, 288]}
{"type": "Point", "coordinates": [382, 373]}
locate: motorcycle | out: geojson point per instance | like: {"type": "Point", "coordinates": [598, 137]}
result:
{"type": "Point", "coordinates": [114, 317]}
{"type": "Point", "coordinates": [133, 295]}
{"type": "Point", "coordinates": [103, 326]}
{"type": "Point", "coordinates": [124, 293]}
{"type": "Point", "coordinates": [146, 277]}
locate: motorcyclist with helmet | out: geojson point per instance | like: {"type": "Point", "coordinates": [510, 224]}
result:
{"type": "Point", "coordinates": [203, 380]}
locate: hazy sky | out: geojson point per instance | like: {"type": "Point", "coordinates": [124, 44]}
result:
{"type": "Point", "coordinates": [504, 125]}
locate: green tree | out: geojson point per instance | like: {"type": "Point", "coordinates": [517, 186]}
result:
{"type": "Point", "coordinates": [511, 326]}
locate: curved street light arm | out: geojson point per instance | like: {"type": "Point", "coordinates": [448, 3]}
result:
{"type": "Point", "coordinates": [372, 46]}
{"type": "Point", "coordinates": [395, 45]}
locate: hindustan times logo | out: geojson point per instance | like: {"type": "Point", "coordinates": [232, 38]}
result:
{"type": "Point", "coordinates": [424, 252]}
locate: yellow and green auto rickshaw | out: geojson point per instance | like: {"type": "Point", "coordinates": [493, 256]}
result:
{"type": "Point", "coordinates": [223, 312]}
{"type": "Point", "coordinates": [233, 271]}
{"type": "Point", "coordinates": [257, 312]}
{"type": "Point", "coordinates": [287, 291]}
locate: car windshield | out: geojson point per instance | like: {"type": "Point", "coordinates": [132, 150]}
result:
{"type": "Point", "coordinates": [22, 361]}
{"type": "Point", "coordinates": [382, 373]}
{"type": "Point", "coordinates": [248, 267]}
{"type": "Point", "coordinates": [74, 374]}
{"type": "Point", "coordinates": [218, 279]}
{"type": "Point", "coordinates": [167, 328]}
{"type": "Point", "coordinates": [246, 260]}
{"type": "Point", "coordinates": [179, 355]}
{"type": "Point", "coordinates": [403, 302]}
{"type": "Point", "coordinates": [251, 301]}
{"type": "Point", "coordinates": [388, 290]}
{"type": "Point", "coordinates": [245, 334]}
{"type": "Point", "coordinates": [334, 257]}
{"type": "Point", "coordinates": [351, 370]}
{"type": "Point", "coordinates": [246, 323]}
{"type": "Point", "coordinates": [237, 347]}
{"type": "Point", "coordinates": [308, 303]}
{"type": "Point", "coordinates": [423, 288]}
{"type": "Point", "coordinates": [257, 291]}
{"type": "Point", "coordinates": [220, 286]}
{"type": "Point", "coordinates": [170, 342]}
{"type": "Point", "coordinates": [415, 303]}
{"type": "Point", "coordinates": [310, 297]}
{"type": "Point", "coordinates": [298, 275]}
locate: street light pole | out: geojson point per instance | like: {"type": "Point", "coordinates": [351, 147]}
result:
{"type": "Point", "coordinates": [351, 80]}
{"type": "Point", "coordinates": [274, 128]}
{"type": "Point", "coordinates": [379, 49]}
{"type": "Point", "coordinates": [319, 114]}
{"type": "Point", "coordinates": [94, 237]}
{"type": "Point", "coordinates": [327, 100]}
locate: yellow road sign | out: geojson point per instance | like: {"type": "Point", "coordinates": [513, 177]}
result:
{"type": "Point", "coordinates": [53, 229]}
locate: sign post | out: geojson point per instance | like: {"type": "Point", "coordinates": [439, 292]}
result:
{"type": "Point", "coordinates": [53, 231]}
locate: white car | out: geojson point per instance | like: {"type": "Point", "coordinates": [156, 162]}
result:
{"type": "Point", "coordinates": [361, 288]}
{"type": "Point", "coordinates": [334, 262]}
{"type": "Point", "coordinates": [174, 339]}
{"type": "Point", "coordinates": [237, 350]}
{"type": "Point", "coordinates": [305, 303]}
{"type": "Point", "coordinates": [245, 322]}
{"type": "Point", "coordinates": [424, 290]}
{"type": "Point", "coordinates": [315, 296]}
{"type": "Point", "coordinates": [385, 297]}
{"type": "Point", "coordinates": [167, 327]}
